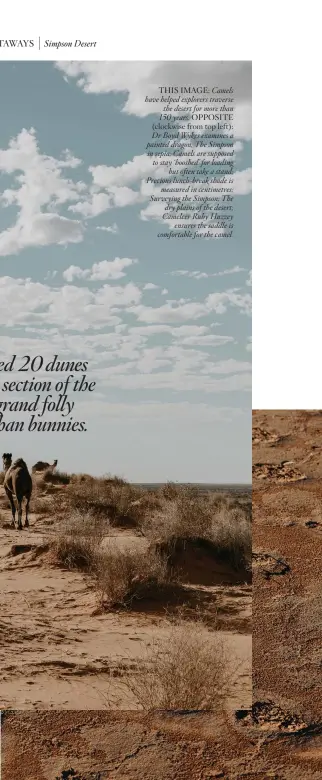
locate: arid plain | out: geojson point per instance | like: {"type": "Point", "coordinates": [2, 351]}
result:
{"type": "Point", "coordinates": [107, 578]}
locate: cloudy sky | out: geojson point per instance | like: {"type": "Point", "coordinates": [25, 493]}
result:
{"type": "Point", "coordinates": [165, 325]}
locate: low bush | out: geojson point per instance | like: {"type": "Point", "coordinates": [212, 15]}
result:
{"type": "Point", "coordinates": [77, 542]}
{"type": "Point", "coordinates": [125, 575]}
{"type": "Point", "coordinates": [188, 670]}
{"type": "Point", "coordinates": [55, 477]}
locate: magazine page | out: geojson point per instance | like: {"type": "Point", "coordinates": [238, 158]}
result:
{"type": "Point", "coordinates": [125, 411]}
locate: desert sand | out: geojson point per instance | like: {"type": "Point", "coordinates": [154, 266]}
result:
{"type": "Point", "coordinates": [59, 650]}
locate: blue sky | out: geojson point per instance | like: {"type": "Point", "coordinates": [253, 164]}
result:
{"type": "Point", "coordinates": [165, 325]}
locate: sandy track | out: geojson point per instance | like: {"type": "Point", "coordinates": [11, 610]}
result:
{"type": "Point", "coordinates": [58, 651]}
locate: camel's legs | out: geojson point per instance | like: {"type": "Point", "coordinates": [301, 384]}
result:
{"type": "Point", "coordinates": [27, 510]}
{"type": "Point", "coordinates": [13, 508]}
{"type": "Point", "coordinates": [19, 515]}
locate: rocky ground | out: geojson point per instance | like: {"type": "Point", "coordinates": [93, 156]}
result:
{"type": "Point", "coordinates": [287, 557]}
{"type": "Point", "coordinates": [170, 746]}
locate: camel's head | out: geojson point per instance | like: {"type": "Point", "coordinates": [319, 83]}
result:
{"type": "Point", "coordinates": [7, 460]}
{"type": "Point", "coordinates": [55, 463]}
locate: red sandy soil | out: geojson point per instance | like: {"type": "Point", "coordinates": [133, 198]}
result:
{"type": "Point", "coordinates": [287, 562]}
{"type": "Point", "coordinates": [130, 746]}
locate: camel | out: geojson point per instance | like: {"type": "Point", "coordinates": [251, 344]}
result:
{"type": "Point", "coordinates": [18, 485]}
{"type": "Point", "coordinates": [42, 466]}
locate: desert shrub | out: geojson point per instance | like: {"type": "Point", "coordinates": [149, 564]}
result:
{"type": "Point", "coordinates": [77, 542]}
{"type": "Point", "coordinates": [193, 515]}
{"type": "Point", "coordinates": [110, 498]}
{"type": "Point", "coordinates": [123, 575]}
{"type": "Point", "coordinates": [114, 479]}
{"type": "Point", "coordinates": [55, 477]}
{"type": "Point", "coordinates": [144, 506]}
{"type": "Point", "coordinates": [172, 512]}
{"type": "Point", "coordinates": [170, 490]}
{"type": "Point", "coordinates": [232, 535]}
{"type": "Point", "coordinates": [187, 515]}
{"type": "Point", "coordinates": [87, 497]}
{"type": "Point", "coordinates": [187, 670]}
{"type": "Point", "coordinates": [81, 478]}
{"type": "Point", "coordinates": [41, 505]}
{"type": "Point", "coordinates": [74, 553]}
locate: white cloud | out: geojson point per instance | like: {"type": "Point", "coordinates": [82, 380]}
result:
{"type": "Point", "coordinates": [99, 202]}
{"type": "Point", "coordinates": [141, 79]}
{"type": "Point", "coordinates": [203, 275]}
{"type": "Point", "coordinates": [151, 286]}
{"type": "Point", "coordinates": [178, 332]}
{"type": "Point", "coordinates": [206, 341]}
{"type": "Point", "coordinates": [41, 190]}
{"type": "Point", "coordinates": [106, 269]}
{"type": "Point", "coordinates": [165, 351]}
{"type": "Point", "coordinates": [25, 302]}
{"type": "Point", "coordinates": [28, 303]}
{"type": "Point", "coordinates": [114, 296]}
{"type": "Point", "coordinates": [243, 120]}
{"type": "Point", "coordinates": [243, 182]}
{"type": "Point", "coordinates": [229, 367]}
{"type": "Point", "coordinates": [40, 230]}
{"type": "Point", "coordinates": [75, 272]}
{"type": "Point", "coordinates": [113, 269]}
{"type": "Point", "coordinates": [121, 175]}
{"type": "Point", "coordinates": [172, 312]}
{"type": "Point", "coordinates": [109, 229]}
{"type": "Point", "coordinates": [242, 301]}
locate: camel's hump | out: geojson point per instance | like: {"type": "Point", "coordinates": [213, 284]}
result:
{"type": "Point", "coordinates": [19, 462]}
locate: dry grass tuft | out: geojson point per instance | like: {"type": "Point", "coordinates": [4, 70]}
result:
{"type": "Point", "coordinates": [187, 670]}
{"type": "Point", "coordinates": [40, 504]}
{"type": "Point", "coordinates": [78, 540]}
{"type": "Point", "coordinates": [232, 535]}
{"type": "Point", "coordinates": [189, 515]}
{"type": "Point", "coordinates": [55, 477]}
{"type": "Point", "coordinates": [74, 553]}
{"type": "Point", "coordinates": [121, 575]}
{"type": "Point", "coordinates": [110, 498]}
{"type": "Point", "coordinates": [126, 575]}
